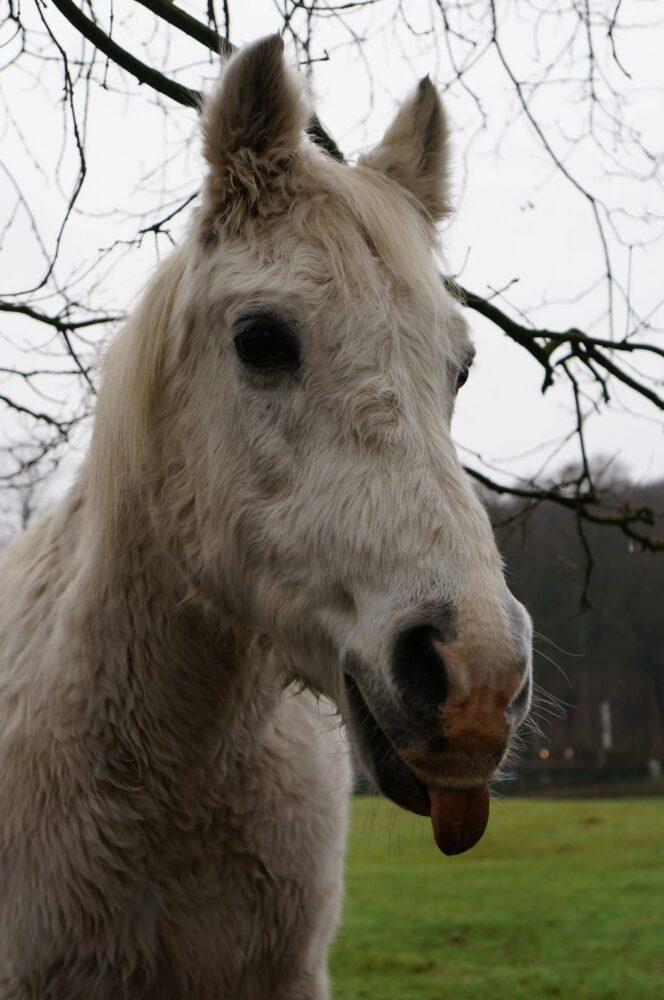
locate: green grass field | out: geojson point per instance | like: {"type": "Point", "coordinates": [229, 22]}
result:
{"type": "Point", "coordinates": [559, 899]}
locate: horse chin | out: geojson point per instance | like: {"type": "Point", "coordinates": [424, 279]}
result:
{"type": "Point", "coordinates": [386, 767]}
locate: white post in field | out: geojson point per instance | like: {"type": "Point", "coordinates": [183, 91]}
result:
{"type": "Point", "coordinates": [605, 720]}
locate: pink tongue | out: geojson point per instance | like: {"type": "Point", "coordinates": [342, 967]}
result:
{"type": "Point", "coordinates": [459, 817]}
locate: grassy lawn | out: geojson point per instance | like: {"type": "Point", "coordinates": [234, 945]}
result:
{"type": "Point", "coordinates": [560, 899]}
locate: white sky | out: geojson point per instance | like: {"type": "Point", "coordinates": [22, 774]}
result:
{"type": "Point", "coordinates": [518, 220]}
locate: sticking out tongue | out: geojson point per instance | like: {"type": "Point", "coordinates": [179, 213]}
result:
{"type": "Point", "coordinates": [459, 817]}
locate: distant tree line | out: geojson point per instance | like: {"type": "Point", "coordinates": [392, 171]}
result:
{"type": "Point", "coordinates": [597, 603]}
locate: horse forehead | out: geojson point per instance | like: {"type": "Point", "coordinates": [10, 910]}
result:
{"type": "Point", "coordinates": [373, 335]}
{"type": "Point", "coordinates": [346, 227]}
{"type": "Point", "coordinates": [306, 275]}
{"type": "Point", "coordinates": [351, 248]}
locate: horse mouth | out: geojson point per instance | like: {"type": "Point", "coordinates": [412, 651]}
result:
{"type": "Point", "coordinates": [458, 815]}
{"type": "Point", "coordinates": [392, 776]}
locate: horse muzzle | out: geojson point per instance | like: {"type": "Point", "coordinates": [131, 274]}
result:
{"type": "Point", "coordinates": [434, 747]}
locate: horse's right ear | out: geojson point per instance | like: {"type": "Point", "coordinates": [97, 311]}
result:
{"type": "Point", "coordinates": [414, 150]}
{"type": "Point", "coordinates": [253, 123]}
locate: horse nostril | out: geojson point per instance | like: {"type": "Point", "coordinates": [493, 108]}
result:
{"type": "Point", "coordinates": [419, 669]}
{"type": "Point", "coordinates": [521, 700]}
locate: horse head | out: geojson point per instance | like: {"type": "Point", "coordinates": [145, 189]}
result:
{"type": "Point", "coordinates": [298, 396]}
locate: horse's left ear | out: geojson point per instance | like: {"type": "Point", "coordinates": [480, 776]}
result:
{"type": "Point", "coordinates": [252, 124]}
{"type": "Point", "coordinates": [414, 150]}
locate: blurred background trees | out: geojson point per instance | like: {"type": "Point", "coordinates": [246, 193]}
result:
{"type": "Point", "coordinates": [599, 703]}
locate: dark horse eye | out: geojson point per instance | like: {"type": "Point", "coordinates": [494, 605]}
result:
{"type": "Point", "coordinates": [267, 347]}
{"type": "Point", "coordinates": [462, 377]}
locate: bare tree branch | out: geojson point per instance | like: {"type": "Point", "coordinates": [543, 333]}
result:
{"type": "Point", "coordinates": [143, 73]}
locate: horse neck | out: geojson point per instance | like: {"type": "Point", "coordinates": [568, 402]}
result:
{"type": "Point", "coordinates": [161, 675]}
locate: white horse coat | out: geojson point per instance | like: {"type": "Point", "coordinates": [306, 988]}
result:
{"type": "Point", "coordinates": [272, 521]}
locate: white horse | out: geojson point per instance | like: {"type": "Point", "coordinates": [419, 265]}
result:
{"type": "Point", "coordinates": [272, 519]}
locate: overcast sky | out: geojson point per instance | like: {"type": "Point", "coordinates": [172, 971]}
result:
{"type": "Point", "coordinates": [518, 222]}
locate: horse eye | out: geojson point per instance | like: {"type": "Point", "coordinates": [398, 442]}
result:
{"type": "Point", "coordinates": [462, 377]}
{"type": "Point", "coordinates": [267, 347]}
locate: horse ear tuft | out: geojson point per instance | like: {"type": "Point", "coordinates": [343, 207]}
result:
{"type": "Point", "coordinates": [258, 110]}
{"type": "Point", "coordinates": [414, 150]}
